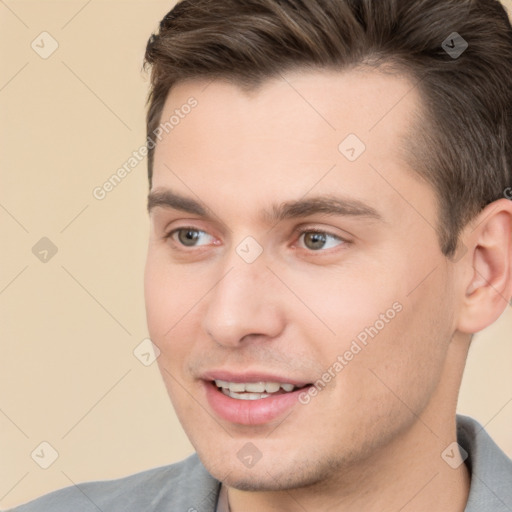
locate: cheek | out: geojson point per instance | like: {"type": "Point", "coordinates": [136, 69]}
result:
{"type": "Point", "coordinates": [338, 305]}
{"type": "Point", "coordinates": [403, 364]}
{"type": "Point", "coordinates": [175, 297]}
{"type": "Point", "coordinates": [171, 293]}
{"type": "Point", "coordinates": [389, 339]}
{"type": "Point", "coordinates": [159, 302]}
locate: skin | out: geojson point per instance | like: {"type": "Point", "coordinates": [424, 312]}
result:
{"type": "Point", "coordinates": [373, 438]}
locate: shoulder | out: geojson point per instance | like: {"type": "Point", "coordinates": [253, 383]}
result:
{"type": "Point", "coordinates": [490, 468]}
{"type": "Point", "coordinates": [185, 486]}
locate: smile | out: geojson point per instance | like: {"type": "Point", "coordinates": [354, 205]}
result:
{"type": "Point", "coordinates": [253, 390]}
{"type": "Point", "coordinates": [250, 399]}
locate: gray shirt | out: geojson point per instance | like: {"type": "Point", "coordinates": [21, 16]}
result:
{"type": "Point", "coordinates": [188, 487]}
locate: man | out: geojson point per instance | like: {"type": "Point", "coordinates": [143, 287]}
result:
{"type": "Point", "coordinates": [330, 224]}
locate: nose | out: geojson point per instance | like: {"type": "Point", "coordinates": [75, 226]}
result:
{"type": "Point", "coordinates": [244, 306]}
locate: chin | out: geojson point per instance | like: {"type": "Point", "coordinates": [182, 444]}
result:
{"type": "Point", "coordinates": [264, 483]}
{"type": "Point", "coordinates": [269, 477]}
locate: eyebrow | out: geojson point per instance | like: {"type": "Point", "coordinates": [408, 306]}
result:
{"type": "Point", "coordinates": [169, 199]}
{"type": "Point", "coordinates": [324, 204]}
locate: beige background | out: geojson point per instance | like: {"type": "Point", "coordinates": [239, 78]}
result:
{"type": "Point", "coordinates": [69, 326]}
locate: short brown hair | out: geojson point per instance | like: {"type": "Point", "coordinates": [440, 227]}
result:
{"type": "Point", "coordinates": [462, 147]}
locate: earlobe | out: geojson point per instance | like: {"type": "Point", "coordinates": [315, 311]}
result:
{"type": "Point", "coordinates": [487, 285]}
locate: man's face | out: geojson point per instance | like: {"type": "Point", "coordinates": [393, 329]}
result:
{"type": "Point", "coordinates": [284, 258]}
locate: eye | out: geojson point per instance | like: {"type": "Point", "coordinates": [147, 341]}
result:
{"type": "Point", "coordinates": [190, 237]}
{"type": "Point", "coordinates": [318, 240]}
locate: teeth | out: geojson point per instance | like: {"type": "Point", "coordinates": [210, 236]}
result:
{"type": "Point", "coordinates": [254, 387]}
{"type": "Point", "coordinates": [252, 390]}
{"type": "Point", "coordinates": [272, 387]}
{"type": "Point", "coordinates": [244, 396]}
{"type": "Point", "coordinates": [237, 387]}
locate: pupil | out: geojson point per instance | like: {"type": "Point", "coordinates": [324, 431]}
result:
{"type": "Point", "coordinates": [315, 240]}
{"type": "Point", "coordinates": [188, 236]}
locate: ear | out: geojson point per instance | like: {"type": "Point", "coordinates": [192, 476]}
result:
{"type": "Point", "coordinates": [486, 268]}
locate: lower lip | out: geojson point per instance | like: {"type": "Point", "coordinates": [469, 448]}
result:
{"type": "Point", "coordinates": [250, 412]}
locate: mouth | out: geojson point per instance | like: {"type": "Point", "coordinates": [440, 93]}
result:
{"type": "Point", "coordinates": [251, 399]}
{"type": "Point", "coordinates": [254, 390]}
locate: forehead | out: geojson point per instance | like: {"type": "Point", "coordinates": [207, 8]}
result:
{"type": "Point", "coordinates": [299, 131]}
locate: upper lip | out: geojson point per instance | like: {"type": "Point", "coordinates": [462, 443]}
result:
{"type": "Point", "coordinates": [253, 376]}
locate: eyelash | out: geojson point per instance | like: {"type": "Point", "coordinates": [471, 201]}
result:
{"type": "Point", "coordinates": [299, 233]}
